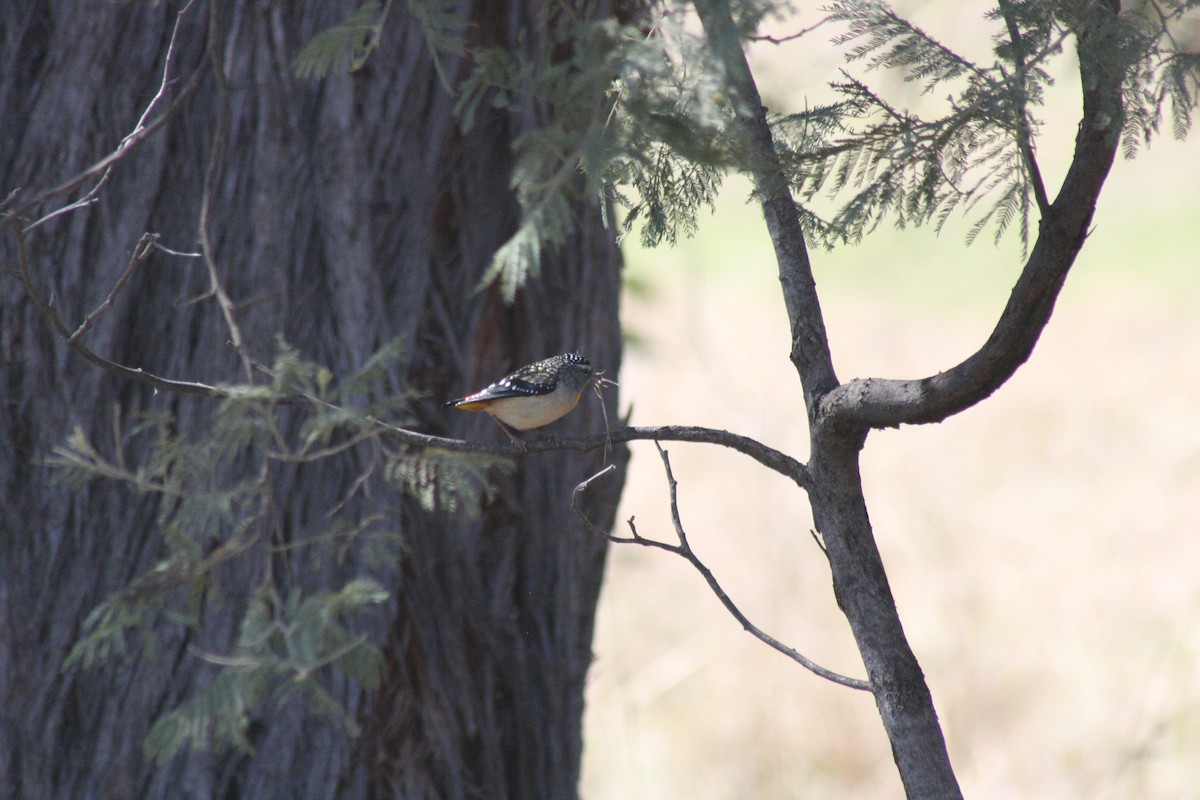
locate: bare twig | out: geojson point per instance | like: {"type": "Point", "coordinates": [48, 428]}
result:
{"type": "Point", "coordinates": [819, 540]}
{"type": "Point", "coordinates": [684, 550]}
{"type": "Point", "coordinates": [166, 76]}
{"type": "Point", "coordinates": [598, 386]}
{"type": "Point", "coordinates": [141, 131]}
{"type": "Point", "coordinates": [141, 252]}
{"type": "Point", "coordinates": [790, 37]}
{"type": "Point", "coordinates": [216, 160]}
{"type": "Point", "coordinates": [1024, 140]}
{"type": "Point", "coordinates": [134, 374]}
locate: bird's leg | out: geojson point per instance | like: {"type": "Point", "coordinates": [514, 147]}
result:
{"type": "Point", "coordinates": [511, 433]}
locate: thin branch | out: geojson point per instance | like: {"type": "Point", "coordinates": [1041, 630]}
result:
{"type": "Point", "coordinates": [141, 252]}
{"type": "Point", "coordinates": [139, 134]}
{"type": "Point", "coordinates": [790, 37]}
{"type": "Point", "coordinates": [166, 76]}
{"type": "Point", "coordinates": [684, 550]}
{"type": "Point", "coordinates": [216, 160]}
{"type": "Point", "coordinates": [130, 373]}
{"type": "Point", "coordinates": [772, 459]}
{"type": "Point", "coordinates": [1024, 141]}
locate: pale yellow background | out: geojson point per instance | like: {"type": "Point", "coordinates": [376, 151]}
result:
{"type": "Point", "coordinates": [1044, 547]}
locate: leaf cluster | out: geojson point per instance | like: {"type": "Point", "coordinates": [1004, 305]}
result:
{"type": "Point", "coordinates": [886, 162]}
{"type": "Point", "coordinates": [671, 134]}
{"type": "Point", "coordinates": [637, 114]}
{"type": "Point", "coordinates": [1162, 78]}
{"type": "Point", "coordinates": [633, 114]}
{"type": "Point", "coordinates": [348, 44]}
{"type": "Point", "coordinates": [283, 646]}
{"type": "Point", "coordinates": [891, 162]}
{"type": "Point", "coordinates": [215, 497]}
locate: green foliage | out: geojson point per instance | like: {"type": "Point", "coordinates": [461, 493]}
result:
{"type": "Point", "coordinates": [635, 117]}
{"type": "Point", "coordinates": [445, 480]}
{"type": "Point", "coordinates": [638, 116]}
{"type": "Point", "coordinates": [283, 647]}
{"type": "Point", "coordinates": [669, 192]}
{"type": "Point", "coordinates": [210, 514]}
{"type": "Point", "coordinates": [1159, 79]}
{"type": "Point", "coordinates": [347, 45]}
{"type": "Point", "coordinates": [916, 171]}
{"type": "Point", "coordinates": [890, 163]}
{"type": "Point", "coordinates": [670, 134]}
{"type": "Point", "coordinates": [562, 73]}
{"type": "Point", "coordinates": [663, 141]}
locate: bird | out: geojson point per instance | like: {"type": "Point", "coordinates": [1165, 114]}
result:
{"type": "Point", "coordinates": [532, 396]}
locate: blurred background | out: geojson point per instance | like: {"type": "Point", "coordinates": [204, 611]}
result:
{"type": "Point", "coordinates": [1043, 547]}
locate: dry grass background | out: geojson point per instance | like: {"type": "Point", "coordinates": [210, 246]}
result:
{"type": "Point", "coordinates": [1043, 547]}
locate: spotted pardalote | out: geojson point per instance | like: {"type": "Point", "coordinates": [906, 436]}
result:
{"type": "Point", "coordinates": [534, 395]}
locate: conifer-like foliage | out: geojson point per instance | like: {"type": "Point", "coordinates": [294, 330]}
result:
{"type": "Point", "coordinates": [288, 641]}
{"type": "Point", "coordinates": [641, 115]}
{"type": "Point", "coordinates": [664, 138]}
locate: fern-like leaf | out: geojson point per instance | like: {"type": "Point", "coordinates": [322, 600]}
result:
{"type": "Point", "coordinates": [445, 480]}
{"type": "Point", "coordinates": [346, 45]}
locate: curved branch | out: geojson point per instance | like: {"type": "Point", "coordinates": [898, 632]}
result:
{"type": "Point", "coordinates": [684, 550]}
{"type": "Point", "coordinates": [74, 340]}
{"type": "Point", "coordinates": [769, 457]}
{"type": "Point", "coordinates": [772, 459]}
{"type": "Point", "coordinates": [142, 132]}
{"type": "Point", "coordinates": [887, 403]}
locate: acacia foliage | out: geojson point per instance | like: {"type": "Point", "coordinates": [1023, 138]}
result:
{"type": "Point", "coordinates": [666, 135]}
{"type": "Point", "coordinates": [641, 110]}
{"type": "Point", "coordinates": [231, 509]}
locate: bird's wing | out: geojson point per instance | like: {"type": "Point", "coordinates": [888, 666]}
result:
{"type": "Point", "coordinates": [511, 386]}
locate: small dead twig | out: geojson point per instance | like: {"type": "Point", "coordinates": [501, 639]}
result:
{"type": "Point", "coordinates": [684, 550]}
{"type": "Point", "coordinates": [216, 162]}
{"type": "Point", "coordinates": [142, 251]}
{"type": "Point", "coordinates": [141, 131]}
{"type": "Point", "coordinates": [598, 386]}
{"type": "Point", "coordinates": [790, 37]}
{"type": "Point", "coordinates": [820, 540]}
{"type": "Point", "coordinates": [48, 311]}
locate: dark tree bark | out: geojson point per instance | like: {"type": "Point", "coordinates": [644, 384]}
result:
{"type": "Point", "coordinates": [343, 213]}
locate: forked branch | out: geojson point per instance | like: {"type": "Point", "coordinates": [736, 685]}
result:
{"type": "Point", "coordinates": [683, 549]}
{"type": "Point", "coordinates": [885, 403]}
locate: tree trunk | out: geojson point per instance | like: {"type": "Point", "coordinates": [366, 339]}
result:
{"type": "Point", "coordinates": [861, 587]}
{"type": "Point", "coordinates": [345, 212]}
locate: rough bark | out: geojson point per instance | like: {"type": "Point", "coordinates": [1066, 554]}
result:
{"type": "Point", "coordinates": [344, 212]}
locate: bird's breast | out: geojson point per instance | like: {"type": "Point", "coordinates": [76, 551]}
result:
{"type": "Point", "coordinates": [524, 413]}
